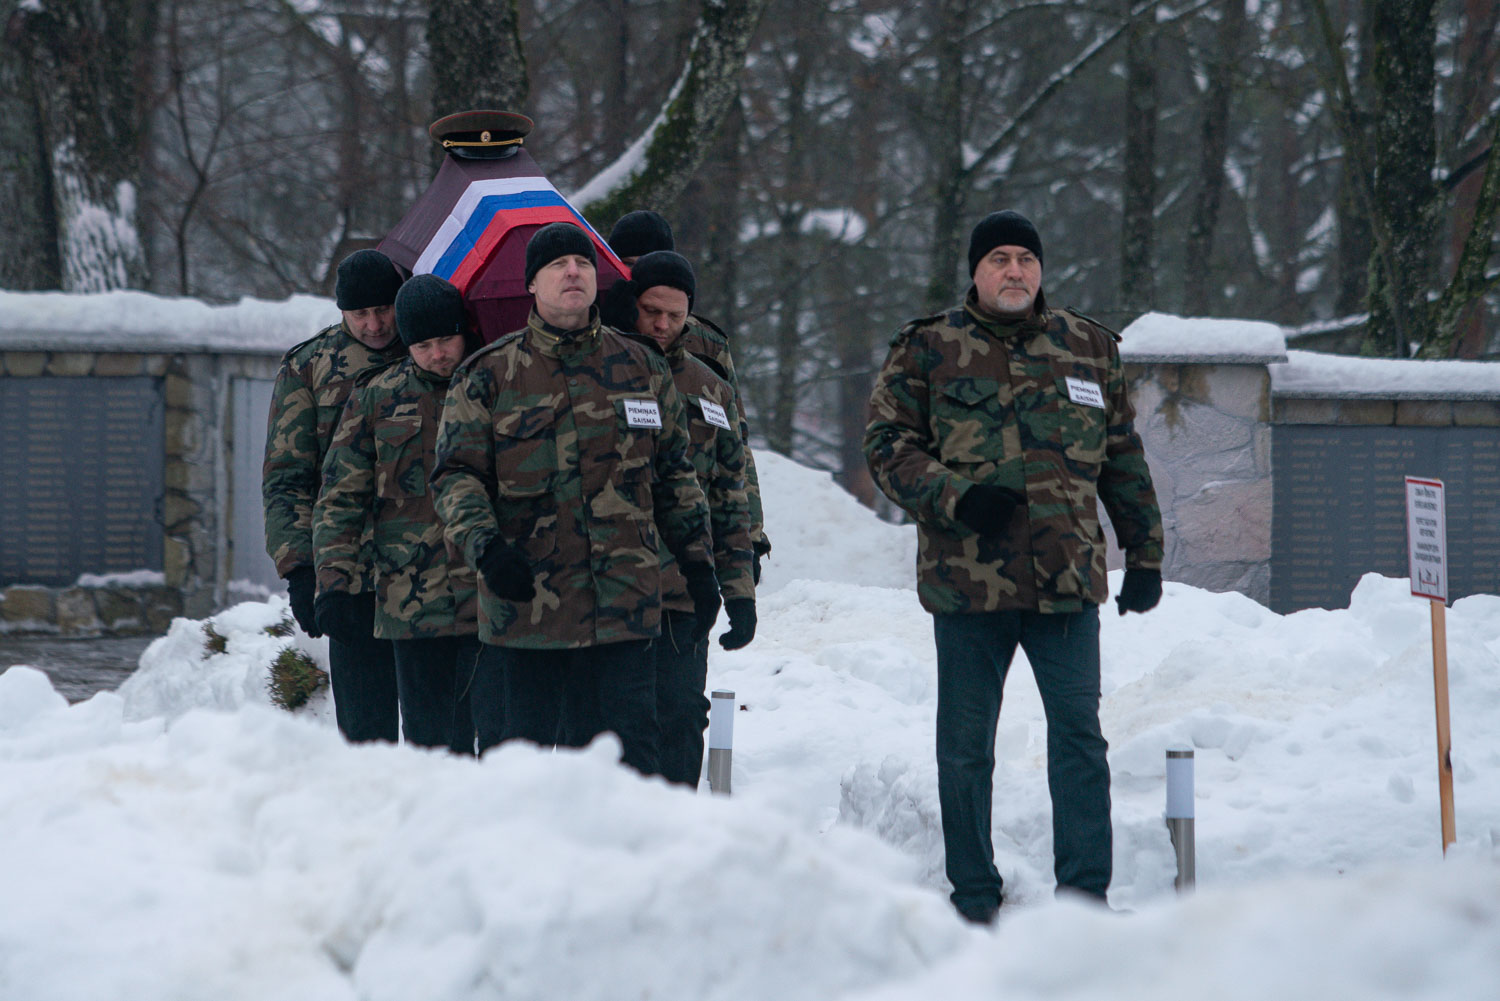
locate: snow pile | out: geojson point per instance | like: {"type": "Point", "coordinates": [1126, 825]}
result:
{"type": "Point", "coordinates": [1309, 373]}
{"type": "Point", "coordinates": [141, 321]}
{"type": "Point", "coordinates": [254, 855]}
{"type": "Point", "coordinates": [179, 672]}
{"type": "Point", "coordinates": [819, 532]}
{"type": "Point", "coordinates": [1163, 337]}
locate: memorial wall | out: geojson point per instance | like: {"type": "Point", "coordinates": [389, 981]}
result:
{"type": "Point", "coordinates": [83, 489]}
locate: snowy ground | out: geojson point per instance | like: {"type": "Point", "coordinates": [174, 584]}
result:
{"type": "Point", "coordinates": [183, 839]}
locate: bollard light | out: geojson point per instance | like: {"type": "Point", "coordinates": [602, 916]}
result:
{"type": "Point", "coordinates": [1180, 814]}
{"type": "Point", "coordinates": [720, 740]}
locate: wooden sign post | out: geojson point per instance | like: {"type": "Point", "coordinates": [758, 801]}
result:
{"type": "Point", "coordinates": [1427, 555]}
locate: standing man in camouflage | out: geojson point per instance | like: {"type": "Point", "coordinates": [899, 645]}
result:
{"type": "Point", "coordinates": [643, 232]}
{"type": "Point", "coordinates": [561, 460]}
{"type": "Point", "coordinates": [665, 286]}
{"type": "Point", "coordinates": [313, 383]}
{"type": "Point", "coordinates": [998, 426]}
{"type": "Point", "coordinates": [427, 603]}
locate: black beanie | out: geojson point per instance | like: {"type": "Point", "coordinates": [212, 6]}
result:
{"type": "Point", "coordinates": [1002, 229]}
{"type": "Point", "coordinates": [664, 267]}
{"type": "Point", "coordinates": [554, 240]}
{"type": "Point", "coordinates": [639, 233]}
{"type": "Point", "coordinates": [366, 278]}
{"type": "Point", "coordinates": [428, 306]}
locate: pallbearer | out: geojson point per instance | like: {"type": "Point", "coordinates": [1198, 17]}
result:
{"type": "Point", "coordinates": [313, 383]}
{"type": "Point", "coordinates": [378, 468]}
{"type": "Point", "coordinates": [664, 285]}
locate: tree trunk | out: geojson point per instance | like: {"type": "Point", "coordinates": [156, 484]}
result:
{"type": "Point", "coordinates": [946, 144]}
{"type": "Point", "coordinates": [1214, 145]}
{"type": "Point", "coordinates": [85, 60]}
{"type": "Point", "coordinates": [1405, 35]}
{"type": "Point", "coordinates": [657, 166]}
{"type": "Point", "coordinates": [28, 240]}
{"type": "Point", "coordinates": [1356, 240]}
{"type": "Point", "coordinates": [1137, 224]}
{"type": "Point", "coordinates": [475, 56]}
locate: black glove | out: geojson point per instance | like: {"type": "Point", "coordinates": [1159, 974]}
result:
{"type": "Point", "coordinates": [762, 547]}
{"type": "Point", "coordinates": [617, 306]}
{"type": "Point", "coordinates": [348, 618]}
{"type": "Point", "coordinates": [987, 509]}
{"type": "Point", "coordinates": [703, 588]}
{"type": "Point", "coordinates": [1140, 592]}
{"type": "Point", "coordinates": [506, 572]}
{"type": "Point", "coordinates": [741, 623]}
{"type": "Point", "coordinates": [300, 585]}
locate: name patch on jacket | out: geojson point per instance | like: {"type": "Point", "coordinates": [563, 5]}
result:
{"type": "Point", "coordinates": [645, 414]}
{"type": "Point", "coordinates": [714, 414]}
{"type": "Point", "coordinates": [1088, 394]}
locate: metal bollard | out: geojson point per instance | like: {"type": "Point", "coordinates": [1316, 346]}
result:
{"type": "Point", "coordinates": [1180, 814]}
{"type": "Point", "coordinates": [720, 741]}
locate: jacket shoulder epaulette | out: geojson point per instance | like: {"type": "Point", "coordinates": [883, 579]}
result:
{"type": "Point", "coordinates": [298, 348]}
{"type": "Point", "coordinates": [1089, 319]}
{"type": "Point", "coordinates": [370, 374]}
{"type": "Point", "coordinates": [711, 325]}
{"type": "Point", "coordinates": [912, 326]}
{"type": "Point", "coordinates": [641, 339]}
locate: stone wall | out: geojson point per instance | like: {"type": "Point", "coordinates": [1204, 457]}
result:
{"type": "Point", "coordinates": [195, 505]}
{"type": "Point", "coordinates": [1208, 441]}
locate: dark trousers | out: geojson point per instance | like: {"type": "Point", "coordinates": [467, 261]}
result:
{"type": "Point", "coordinates": [432, 677]}
{"type": "Point", "coordinates": [569, 697]}
{"type": "Point", "coordinates": [363, 676]}
{"type": "Point", "coordinates": [681, 706]}
{"type": "Point", "coordinates": [974, 653]}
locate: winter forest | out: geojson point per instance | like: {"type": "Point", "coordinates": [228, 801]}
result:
{"type": "Point", "coordinates": [1319, 164]}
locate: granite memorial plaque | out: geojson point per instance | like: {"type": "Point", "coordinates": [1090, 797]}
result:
{"type": "Point", "coordinates": [1340, 508]}
{"type": "Point", "coordinates": [81, 482]}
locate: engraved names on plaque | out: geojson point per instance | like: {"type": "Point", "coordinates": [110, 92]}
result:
{"type": "Point", "coordinates": [1340, 507]}
{"type": "Point", "coordinates": [80, 478]}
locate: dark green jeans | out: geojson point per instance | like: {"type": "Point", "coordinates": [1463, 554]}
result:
{"type": "Point", "coordinates": [974, 653]}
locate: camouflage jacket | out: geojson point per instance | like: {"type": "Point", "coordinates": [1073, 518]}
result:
{"type": "Point", "coordinates": [1039, 407]}
{"type": "Point", "coordinates": [571, 446]}
{"type": "Point", "coordinates": [708, 343]}
{"type": "Point", "coordinates": [377, 469]}
{"type": "Point", "coordinates": [718, 457]}
{"type": "Point", "coordinates": [312, 384]}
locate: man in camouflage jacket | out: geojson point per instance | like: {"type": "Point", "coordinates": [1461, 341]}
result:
{"type": "Point", "coordinates": [643, 232]}
{"type": "Point", "coordinates": [666, 285]}
{"type": "Point", "coordinates": [376, 471]}
{"type": "Point", "coordinates": [561, 459]}
{"type": "Point", "coordinates": [313, 383]}
{"type": "Point", "coordinates": [999, 426]}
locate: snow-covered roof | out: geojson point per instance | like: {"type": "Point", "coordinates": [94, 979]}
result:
{"type": "Point", "coordinates": [1310, 374]}
{"type": "Point", "coordinates": [1159, 337]}
{"type": "Point", "coordinates": [140, 321]}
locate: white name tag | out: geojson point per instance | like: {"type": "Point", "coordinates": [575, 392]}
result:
{"type": "Point", "coordinates": [714, 414]}
{"type": "Point", "coordinates": [642, 414]}
{"type": "Point", "coordinates": [1089, 394]}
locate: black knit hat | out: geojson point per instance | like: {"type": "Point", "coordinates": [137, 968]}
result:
{"type": "Point", "coordinates": [639, 233]}
{"type": "Point", "coordinates": [366, 278]}
{"type": "Point", "coordinates": [554, 240]}
{"type": "Point", "coordinates": [664, 267]}
{"type": "Point", "coordinates": [1002, 229]}
{"type": "Point", "coordinates": [428, 306]}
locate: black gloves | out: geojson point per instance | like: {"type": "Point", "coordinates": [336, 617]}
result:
{"type": "Point", "coordinates": [617, 306]}
{"type": "Point", "coordinates": [348, 618]}
{"type": "Point", "coordinates": [762, 547]}
{"type": "Point", "coordinates": [506, 572]}
{"type": "Point", "coordinates": [703, 588]}
{"type": "Point", "coordinates": [987, 509]}
{"type": "Point", "coordinates": [301, 583]}
{"type": "Point", "coordinates": [1140, 592]}
{"type": "Point", "coordinates": [741, 623]}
